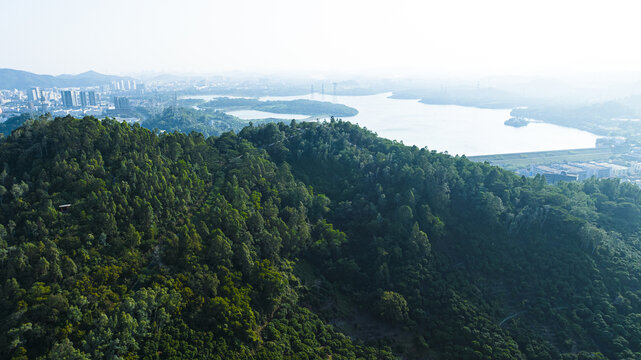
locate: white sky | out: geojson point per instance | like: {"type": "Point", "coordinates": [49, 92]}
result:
{"type": "Point", "coordinates": [445, 37]}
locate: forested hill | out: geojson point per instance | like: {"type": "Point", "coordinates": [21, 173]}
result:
{"type": "Point", "coordinates": [298, 106]}
{"type": "Point", "coordinates": [301, 241]}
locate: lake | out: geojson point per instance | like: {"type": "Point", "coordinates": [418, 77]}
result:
{"type": "Point", "coordinates": [455, 129]}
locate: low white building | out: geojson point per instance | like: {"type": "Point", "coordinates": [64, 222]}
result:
{"type": "Point", "coordinates": [616, 170]}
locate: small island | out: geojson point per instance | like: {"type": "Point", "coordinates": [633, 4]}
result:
{"type": "Point", "coordinates": [300, 106]}
{"type": "Point", "coordinates": [516, 122]}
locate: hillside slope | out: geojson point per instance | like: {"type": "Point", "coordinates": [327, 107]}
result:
{"type": "Point", "coordinates": [18, 79]}
{"type": "Point", "coordinates": [303, 241]}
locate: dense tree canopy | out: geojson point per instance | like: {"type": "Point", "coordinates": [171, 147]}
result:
{"type": "Point", "coordinates": [303, 241]}
{"type": "Point", "coordinates": [298, 106]}
{"type": "Point", "coordinates": [186, 120]}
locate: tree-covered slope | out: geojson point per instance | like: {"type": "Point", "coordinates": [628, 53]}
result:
{"type": "Point", "coordinates": [186, 120]}
{"type": "Point", "coordinates": [303, 241]}
{"type": "Point", "coordinates": [174, 246]}
{"type": "Point", "coordinates": [491, 265]}
{"type": "Point", "coordinates": [14, 122]}
{"type": "Point", "coordinates": [298, 106]}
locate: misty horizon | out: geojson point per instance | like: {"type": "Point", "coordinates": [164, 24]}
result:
{"type": "Point", "coordinates": [406, 39]}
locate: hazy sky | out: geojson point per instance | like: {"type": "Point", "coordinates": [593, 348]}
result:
{"type": "Point", "coordinates": [322, 36]}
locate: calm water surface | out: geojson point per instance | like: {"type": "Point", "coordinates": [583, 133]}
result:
{"type": "Point", "coordinates": [455, 129]}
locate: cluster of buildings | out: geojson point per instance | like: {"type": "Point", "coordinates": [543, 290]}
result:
{"type": "Point", "coordinates": [110, 100]}
{"type": "Point", "coordinates": [74, 99]}
{"type": "Point", "coordinates": [579, 171]}
{"type": "Point", "coordinates": [126, 85]}
{"type": "Point", "coordinates": [58, 102]}
{"type": "Point", "coordinates": [32, 100]}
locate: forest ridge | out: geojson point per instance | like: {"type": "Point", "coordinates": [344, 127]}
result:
{"type": "Point", "coordinates": [303, 241]}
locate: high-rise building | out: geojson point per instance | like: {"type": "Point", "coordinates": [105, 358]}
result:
{"type": "Point", "coordinates": [93, 98]}
{"type": "Point", "coordinates": [69, 98]}
{"type": "Point", "coordinates": [121, 102]}
{"type": "Point", "coordinates": [34, 94]}
{"type": "Point", "coordinates": [83, 98]}
{"type": "Point", "coordinates": [88, 98]}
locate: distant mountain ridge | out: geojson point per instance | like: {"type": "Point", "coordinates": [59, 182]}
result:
{"type": "Point", "coordinates": [18, 79]}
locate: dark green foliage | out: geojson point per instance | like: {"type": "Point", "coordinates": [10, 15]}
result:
{"type": "Point", "coordinates": [491, 265]}
{"type": "Point", "coordinates": [187, 120]}
{"type": "Point", "coordinates": [300, 106]}
{"type": "Point", "coordinates": [251, 245]}
{"type": "Point", "coordinates": [174, 246]}
{"type": "Point", "coordinates": [392, 306]}
{"type": "Point", "coordinates": [14, 122]}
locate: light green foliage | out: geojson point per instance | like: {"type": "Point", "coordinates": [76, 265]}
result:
{"type": "Point", "coordinates": [392, 306]}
